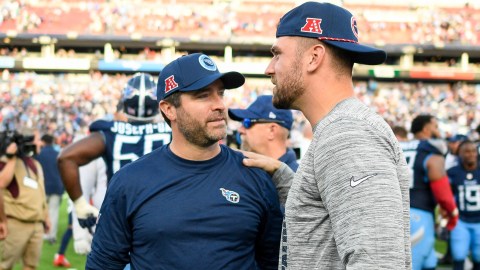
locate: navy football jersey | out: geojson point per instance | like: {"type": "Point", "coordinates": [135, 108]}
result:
{"type": "Point", "coordinates": [417, 153]}
{"type": "Point", "coordinates": [126, 142]}
{"type": "Point", "coordinates": [466, 188]}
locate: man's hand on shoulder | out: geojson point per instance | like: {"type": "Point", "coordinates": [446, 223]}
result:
{"type": "Point", "coordinates": [268, 164]}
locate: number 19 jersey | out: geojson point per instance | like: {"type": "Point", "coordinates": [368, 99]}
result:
{"type": "Point", "coordinates": [466, 188]}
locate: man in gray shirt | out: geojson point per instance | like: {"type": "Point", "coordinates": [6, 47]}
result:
{"type": "Point", "coordinates": [348, 204]}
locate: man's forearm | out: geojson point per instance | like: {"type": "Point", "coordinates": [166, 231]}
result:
{"type": "Point", "coordinates": [283, 178]}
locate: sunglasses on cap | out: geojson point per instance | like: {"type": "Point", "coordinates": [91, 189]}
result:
{"type": "Point", "coordinates": [249, 122]}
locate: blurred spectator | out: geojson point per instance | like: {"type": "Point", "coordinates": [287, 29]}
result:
{"type": "Point", "coordinates": [453, 142]}
{"type": "Point", "coordinates": [401, 133]}
{"type": "Point", "coordinates": [53, 184]}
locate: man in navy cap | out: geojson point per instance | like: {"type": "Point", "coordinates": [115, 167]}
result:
{"type": "Point", "coordinates": [265, 130]}
{"type": "Point", "coordinates": [453, 142]}
{"type": "Point", "coordinates": [190, 204]}
{"type": "Point", "coordinates": [348, 205]}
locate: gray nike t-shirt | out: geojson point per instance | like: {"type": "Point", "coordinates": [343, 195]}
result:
{"type": "Point", "coordinates": [348, 205]}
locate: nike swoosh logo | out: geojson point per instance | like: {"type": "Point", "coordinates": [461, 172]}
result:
{"type": "Point", "coordinates": [355, 183]}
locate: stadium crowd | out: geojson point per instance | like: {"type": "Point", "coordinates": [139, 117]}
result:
{"type": "Point", "coordinates": [420, 24]}
{"type": "Point", "coordinates": [63, 104]}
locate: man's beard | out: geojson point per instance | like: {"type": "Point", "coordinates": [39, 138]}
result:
{"type": "Point", "coordinates": [290, 89]}
{"type": "Point", "coordinates": [196, 132]}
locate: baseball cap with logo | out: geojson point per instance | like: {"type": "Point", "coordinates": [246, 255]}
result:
{"type": "Point", "coordinates": [262, 108]}
{"type": "Point", "coordinates": [193, 72]}
{"type": "Point", "coordinates": [331, 24]}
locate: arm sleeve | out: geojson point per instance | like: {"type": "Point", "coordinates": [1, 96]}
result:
{"type": "Point", "coordinates": [282, 178]}
{"type": "Point", "coordinates": [359, 184]}
{"type": "Point", "coordinates": [113, 235]}
{"type": "Point", "coordinates": [268, 240]}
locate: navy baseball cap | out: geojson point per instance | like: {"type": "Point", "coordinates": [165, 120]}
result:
{"type": "Point", "coordinates": [193, 72]}
{"type": "Point", "coordinates": [331, 24]}
{"type": "Point", "coordinates": [262, 108]}
{"type": "Point", "coordinates": [457, 138]}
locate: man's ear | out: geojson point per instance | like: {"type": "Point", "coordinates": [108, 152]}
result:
{"type": "Point", "coordinates": [168, 109]}
{"type": "Point", "coordinates": [271, 131]}
{"type": "Point", "coordinates": [316, 55]}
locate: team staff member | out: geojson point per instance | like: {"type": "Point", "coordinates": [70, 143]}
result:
{"type": "Point", "coordinates": [348, 206]}
{"type": "Point", "coordinates": [265, 130]}
{"type": "Point", "coordinates": [465, 181]}
{"type": "Point", "coordinates": [25, 207]}
{"type": "Point", "coordinates": [193, 205]}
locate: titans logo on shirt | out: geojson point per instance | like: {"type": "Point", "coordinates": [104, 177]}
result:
{"type": "Point", "coordinates": [231, 196]}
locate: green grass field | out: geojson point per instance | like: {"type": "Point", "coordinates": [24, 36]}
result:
{"type": "Point", "coordinates": [48, 250]}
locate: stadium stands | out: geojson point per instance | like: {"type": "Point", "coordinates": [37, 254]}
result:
{"type": "Point", "coordinates": [72, 57]}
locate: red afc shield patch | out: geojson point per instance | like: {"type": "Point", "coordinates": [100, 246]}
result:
{"type": "Point", "coordinates": [170, 84]}
{"type": "Point", "coordinates": [312, 26]}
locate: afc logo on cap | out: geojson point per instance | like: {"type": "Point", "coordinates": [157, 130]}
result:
{"type": "Point", "coordinates": [312, 26]}
{"type": "Point", "coordinates": [170, 84]}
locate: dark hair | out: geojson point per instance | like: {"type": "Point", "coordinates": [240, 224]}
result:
{"type": "Point", "coordinates": [420, 122]}
{"type": "Point", "coordinates": [465, 142]}
{"type": "Point", "coordinates": [400, 131]}
{"type": "Point", "coordinates": [173, 99]}
{"type": "Point", "coordinates": [47, 139]}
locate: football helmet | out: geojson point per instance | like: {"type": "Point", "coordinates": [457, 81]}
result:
{"type": "Point", "coordinates": [139, 97]}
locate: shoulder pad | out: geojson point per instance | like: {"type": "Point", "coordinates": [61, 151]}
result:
{"type": "Point", "coordinates": [100, 125]}
{"type": "Point", "coordinates": [435, 146]}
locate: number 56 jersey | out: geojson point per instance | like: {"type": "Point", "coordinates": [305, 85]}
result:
{"type": "Point", "coordinates": [126, 142]}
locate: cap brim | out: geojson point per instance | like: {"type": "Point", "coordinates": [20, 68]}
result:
{"type": "Point", "coordinates": [230, 80]}
{"type": "Point", "coordinates": [360, 53]}
{"type": "Point", "coordinates": [240, 114]}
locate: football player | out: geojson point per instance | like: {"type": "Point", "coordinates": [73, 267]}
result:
{"type": "Point", "coordinates": [465, 181]}
{"type": "Point", "coordinates": [429, 185]}
{"type": "Point", "coordinates": [117, 142]}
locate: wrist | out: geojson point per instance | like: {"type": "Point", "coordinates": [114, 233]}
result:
{"type": "Point", "coordinates": [80, 202]}
{"type": "Point", "coordinates": [10, 156]}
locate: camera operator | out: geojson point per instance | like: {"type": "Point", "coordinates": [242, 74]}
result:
{"type": "Point", "coordinates": [21, 178]}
